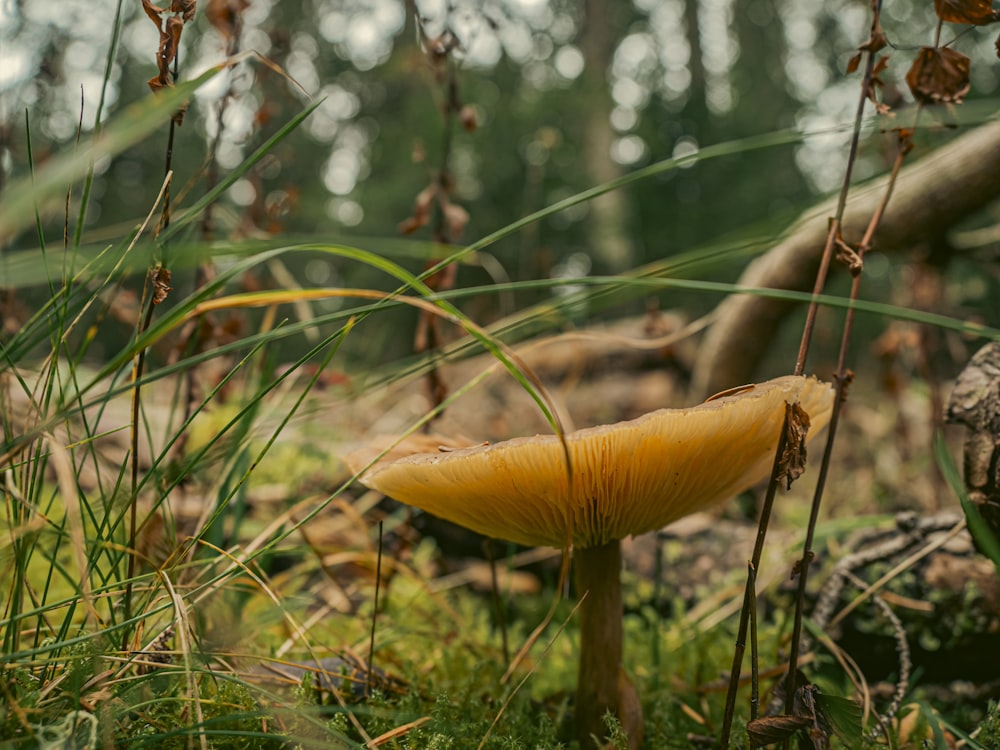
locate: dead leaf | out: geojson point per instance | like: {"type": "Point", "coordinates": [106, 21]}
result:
{"type": "Point", "coordinates": [421, 210]}
{"type": "Point", "coordinates": [467, 116]}
{"type": "Point", "coordinates": [976, 12]}
{"type": "Point", "coordinates": [772, 729]}
{"type": "Point", "coordinates": [178, 116]}
{"type": "Point", "coordinates": [939, 75]}
{"type": "Point", "coordinates": [185, 7]}
{"type": "Point", "coordinates": [874, 81]}
{"type": "Point", "coordinates": [160, 279]}
{"type": "Point", "coordinates": [849, 257]}
{"type": "Point", "coordinates": [154, 12]}
{"type": "Point", "coordinates": [443, 279]}
{"type": "Point", "coordinates": [873, 45]}
{"type": "Point", "coordinates": [904, 138]}
{"type": "Point", "coordinates": [441, 46]}
{"type": "Point", "coordinates": [170, 38]}
{"type": "Point", "coordinates": [881, 65]}
{"type": "Point", "coordinates": [170, 41]}
{"type": "Point", "coordinates": [916, 728]}
{"type": "Point", "coordinates": [455, 218]}
{"type": "Point", "coordinates": [793, 460]}
{"type": "Point", "coordinates": [224, 15]}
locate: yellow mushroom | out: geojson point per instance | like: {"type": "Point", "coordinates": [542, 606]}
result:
{"type": "Point", "coordinates": [626, 479]}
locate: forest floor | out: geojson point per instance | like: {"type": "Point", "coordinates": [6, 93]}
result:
{"type": "Point", "coordinates": [888, 513]}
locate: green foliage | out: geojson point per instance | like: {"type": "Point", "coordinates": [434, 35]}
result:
{"type": "Point", "coordinates": [163, 715]}
{"type": "Point", "coordinates": [989, 730]}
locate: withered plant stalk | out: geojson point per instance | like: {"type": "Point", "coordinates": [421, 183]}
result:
{"type": "Point", "coordinates": [853, 257]}
{"type": "Point", "coordinates": [435, 199]}
{"type": "Point", "coordinates": [157, 283]}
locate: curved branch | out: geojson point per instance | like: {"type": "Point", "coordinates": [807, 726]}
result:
{"type": "Point", "coordinates": [930, 195]}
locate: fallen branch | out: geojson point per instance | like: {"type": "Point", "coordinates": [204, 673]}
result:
{"type": "Point", "coordinates": [930, 197]}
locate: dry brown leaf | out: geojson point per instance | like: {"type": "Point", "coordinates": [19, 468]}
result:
{"type": "Point", "coordinates": [467, 116]}
{"type": "Point", "coordinates": [421, 210]}
{"type": "Point", "coordinates": [160, 278]}
{"type": "Point", "coordinates": [456, 218]}
{"type": "Point", "coordinates": [170, 41]}
{"type": "Point", "coordinates": [771, 729]}
{"type": "Point", "coordinates": [178, 116]}
{"type": "Point", "coordinates": [904, 138]}
{"type": "Point", "coordinates": [441, 46]}
{"type": "Point", "coordinates": [224, 15]}
{"type": "Point", "coordinates": [976, 12]}
{"type": "Point", "coordinates": [849, 257]}
{"type": "Point", "coordinates": [409, 225]}
{"type": "Point", "coordinates": [881, 65]}
{"type": "Point", "coordinates": [793, 459]}
{"type": "Point", "coordinates": [154, 12]}
{"type": "Point", "coordinates": [186, 8]}
{"type": "Point", "coordinates": [939, 75]}
{"type": "Point", "coordinates": [873, 45]}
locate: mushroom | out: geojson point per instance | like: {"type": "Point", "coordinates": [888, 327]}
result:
{"type": "Point", "coordinates": [627, 479]}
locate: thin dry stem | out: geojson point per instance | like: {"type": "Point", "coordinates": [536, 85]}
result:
{"type": "Point", "coordinates": [749, 593]}
{"type": "Point", "coordinates": [800, 361]}
{"type": "Point", "coordinates": [378, 586]}
{"type": "Point", "coordinates": [843, 378]}
{"type": "Point", "coordinates": [137, 368]}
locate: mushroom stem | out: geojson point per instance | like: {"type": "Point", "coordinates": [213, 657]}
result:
{"type": "Point", "coordinates": [598, 574]}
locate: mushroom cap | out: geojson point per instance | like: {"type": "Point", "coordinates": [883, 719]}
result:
{"type": "Point", "coordinates": [628, 478]}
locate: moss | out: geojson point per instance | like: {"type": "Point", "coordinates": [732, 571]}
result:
{"type": "Point", "coordinates": [232, 715]}
{"type": "Point", "coordinates": [989, 730]}
{"type": "Point", "coordinates": [21, 695]}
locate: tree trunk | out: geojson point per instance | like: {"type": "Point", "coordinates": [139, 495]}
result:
{"type": "Point", "coordinates": [611, 243]}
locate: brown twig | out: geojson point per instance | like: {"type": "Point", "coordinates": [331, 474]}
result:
{"type": "Point", "coordinates": [157, 284]}
{"type": "Point", "coordinates": [834, 230]}
{"type": "Point", "coordinates": [749, 594]}
{"type": "Point", "coordinates": [842, 377]}
{"type": "Point", "coordinates": [449, 218]}
{"type": "Point", "coordinates": [854, 259]}
{"type": "Point", "coordinates": [371, 639]}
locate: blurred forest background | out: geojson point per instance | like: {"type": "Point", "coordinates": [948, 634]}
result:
{"type": "Point", "coordinates": [551, 97]}
{"type": "Point", "coordinates": [436, 124]}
